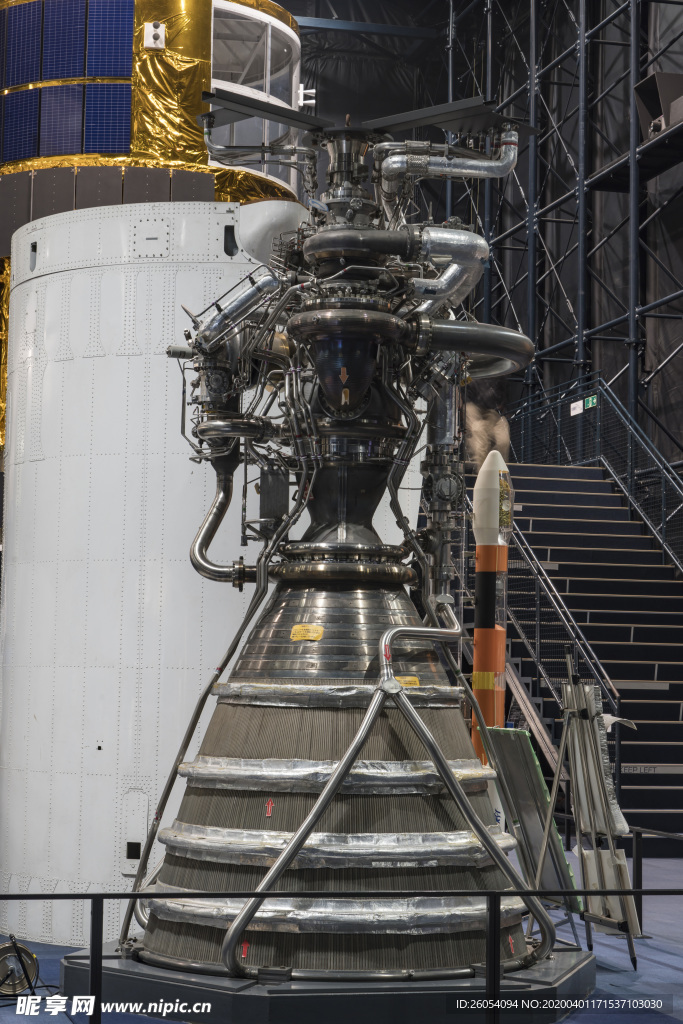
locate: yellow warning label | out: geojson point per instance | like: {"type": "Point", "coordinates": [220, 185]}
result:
{"type": "Point", "coordinates": [483, 680]}
{"type": "Point", "coordinates": [306, 631]}
{"type": "Point", "coordinates": [408, 680]}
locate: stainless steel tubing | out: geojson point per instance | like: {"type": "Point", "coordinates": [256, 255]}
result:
{"type": "Point", "coordinates": [259, 594]}
{"type": "Point", "coordinates": [241, 426]}
{"type": "Point", "coordinates": [241, 922]}
{"type": "Point", "coordinates": [396, 166]}
{"type": "Point", "coordinates": [452, 286]}
{"type": "Point", "coordinates": [239, 303]}
{"type": "Point", "coordinates": [494, 350]}
{"type": "Point", "coordinates": [455, 789]}
{"type": "Point", "coordinates": [361, 243]}
{"type": "Point", "coordinates": [225, 466]}
{"type": "Point", "coordinates": [467, 253]}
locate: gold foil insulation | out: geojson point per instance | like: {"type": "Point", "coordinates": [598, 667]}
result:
{"type": "Point", "coordinates": [4, 331]}
{"type": "Point", "coordinates": [168, 84]}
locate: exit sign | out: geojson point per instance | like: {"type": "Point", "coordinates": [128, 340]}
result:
{"type": "Point", "coordinates": [590, 402]}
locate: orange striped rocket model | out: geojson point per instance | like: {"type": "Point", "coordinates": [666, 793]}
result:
{"type": "Point", "coordinates": [493, 509]}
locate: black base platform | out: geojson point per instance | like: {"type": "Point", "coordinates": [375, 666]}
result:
{"type": "Point", "coordinates": [570, 974]}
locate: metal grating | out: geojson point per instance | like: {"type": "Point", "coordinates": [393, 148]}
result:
{"type": "Point", "coordinates": [110, 38]}
{"type": "Point", "coordinates": [22, 53]}
{"type": "Point", "coordinates": [20, 134]}
{"type": "Point", "coordinates": [107, 118]}
{"type": "Point", "coordinates": [61, 120]}
{"type": "Point", "coordinates": [63, 40]}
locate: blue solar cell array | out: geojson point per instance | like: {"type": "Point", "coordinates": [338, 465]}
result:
{"type": "Point", "coordinates": [3, 30]}
{"type": "Point", "coordinates": [20, 135]}
{"type": "Point", "coordinates": [22, 50]}
{"type": "Point", "coordinates": [63, 39]}
{"type": "Point", "coordinates": [107, 118]}
{"type": "Point", "coordinates": [61, 120]}
{"type": "Point", "coordinates": [110, 38]}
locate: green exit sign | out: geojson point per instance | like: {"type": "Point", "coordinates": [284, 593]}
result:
{"type": "Point", "coordinates": [590, 402]}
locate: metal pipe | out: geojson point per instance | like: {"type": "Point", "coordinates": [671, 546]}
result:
{"type": "Point", "coordinates": [243, 299]}
{"type": "Point", "coordinates": [494, 350]}
{"type": "Point", "coordinates": [634, 214]}
{"type": "Point", "coordinates": [480, 830]}
{"type": "Point", "coordinates": [225, 466]}
{"type": "Point", "coordinates": [241, 922]}
{"type": "Point", "coordinates": [398, 166]}
{"type": "Point", "coordinates": [259, 594]}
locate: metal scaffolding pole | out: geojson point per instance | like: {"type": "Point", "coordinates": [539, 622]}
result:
{"type": "Point", "coordinates": [634, 215]}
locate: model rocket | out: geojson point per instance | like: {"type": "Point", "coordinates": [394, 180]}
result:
{"type": "Point", "coordinates": [493, 510]}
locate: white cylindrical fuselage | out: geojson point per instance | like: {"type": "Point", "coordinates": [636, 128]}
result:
{"type": "Point", "coordinates": [108, 633]}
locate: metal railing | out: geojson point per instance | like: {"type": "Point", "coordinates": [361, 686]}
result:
{"type": "Point", "coordinates": [584, 423]}
{"type": "Point", "coordinates": [546, 628]}
{"type": "Point", "coordinates": [493, 982]}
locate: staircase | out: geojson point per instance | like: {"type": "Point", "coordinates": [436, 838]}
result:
{"type": "Point", "coordinates": [629, 605]}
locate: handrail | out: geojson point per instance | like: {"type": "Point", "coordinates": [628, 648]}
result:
{"type": "Point", "coordinates": [594, 449]}
{"type": "Point", "coordinates": [571, 625]}
{"type": "Point", "coordinates": [575, 634]}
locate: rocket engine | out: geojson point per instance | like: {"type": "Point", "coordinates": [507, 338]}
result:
{"type": "Point", "coordinates": [338, 759]}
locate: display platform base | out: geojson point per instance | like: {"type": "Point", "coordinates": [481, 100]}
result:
{"type": "Point", "coordinates": [569, 975]}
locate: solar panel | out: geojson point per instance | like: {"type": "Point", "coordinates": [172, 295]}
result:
{"type": "Point", "coordinates": [20, 136]}
{"type": "Point", "coordinates": [63, 39]}
{"type": "Point", "coordinates": [110, 38]}
{"type": "Point", "coordinates": [107, 118]}
{"type": "Point", "coordinates": [3, 29]}
{"type": "Point", "coordinates": [22, 54]}
{"type": "Point", "coordinates": [61, 120]}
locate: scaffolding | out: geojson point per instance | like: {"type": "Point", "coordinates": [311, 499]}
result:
{"type": "Point", "coordinates": [573, 262]}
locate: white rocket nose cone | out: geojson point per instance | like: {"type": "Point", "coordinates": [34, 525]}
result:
{"type": "Point", "coordinates": [488, 500]}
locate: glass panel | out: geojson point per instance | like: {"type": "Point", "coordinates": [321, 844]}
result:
{"type": "Point", "coordinates": [239, 49]}
{"type": "Point", "coordinates": [281, 66]}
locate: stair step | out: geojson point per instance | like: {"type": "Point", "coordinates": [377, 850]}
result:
{"type": "Point", "coordinates": [627, 653]}
{"type": "Point", "coordinates": [542, 511]}
{"type": "Point", "coordinates": [538, 469]}
{"type": "Point", "coordinates": [530, 525]}
{"type": "Point", "coordinates": [666, 589]}
{"type": "Point", "coordinates": [655, 731]}
{"type": "Point", "coordinates": [665, 820]}
{"type": "Point", "coordinates": [608, 571]}
{"type": "Point", "coordinates": [578, 486]}
{"type": "Point", "coordinates": [599, 603]}
{"type": "Point", "coordinates": [609, 555]}
{"type": "Point", "coordinates": [658, 798]}
{"type": "Point", "coordinates": [668, 710]}
{"type": "Point", "coordinates": [628, 632]}
{"type": "Point", "coordinates": [647, 775]}
{"type": "Point", "coordinates": [624, 671]}
{"type": "Point", "coordinates": [668, 752]}
{"type": "Point", "coordinates": [604, 541]}
{"type": "Point", "coordinates": [550, 499]}
{"type": "Point", "coordinates": [523, 483]}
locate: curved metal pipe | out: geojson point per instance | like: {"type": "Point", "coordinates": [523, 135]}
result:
{"type": "Point", "coordinates": [427, 165]}
{"type": "Point", "coordinates": [454, 787]}
{"type": "Point", "coordinates": [452, 286]}
{"type": "Point", "coordinates": [494, 350]}
{"type": "Point", "coordinates": [361, 243]}
{"type": "Point", "coordinates": [239, 302]}
{"type": "Point", "coordinates": [225, 466]}
{"type": "Point", "coordinates": [259, 594]}
{"type": "Point", "coordinates": [221, 430]}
